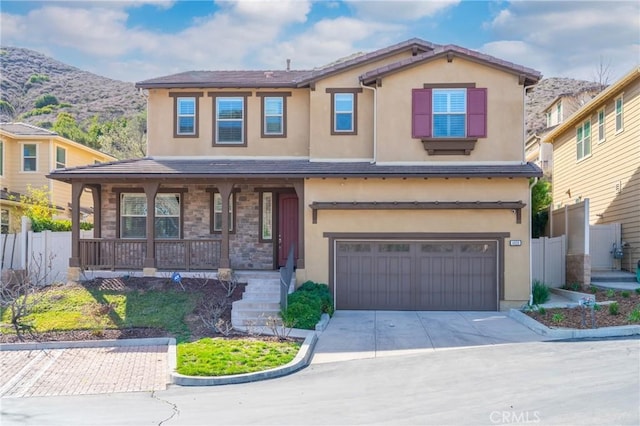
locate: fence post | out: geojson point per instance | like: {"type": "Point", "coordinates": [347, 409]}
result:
{"type": "Point", "coordinates": [24, 229]}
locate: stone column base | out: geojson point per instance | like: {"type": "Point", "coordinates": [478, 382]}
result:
{"type": "Point", "coordinates": [579, 269]}
{"type": "Point", "coordinates": [73, 274]}
{"type": "Point", "coordinates": [149, 272]}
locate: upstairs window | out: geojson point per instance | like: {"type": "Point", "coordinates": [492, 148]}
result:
{"type": "Point", "coordinates": [61, 158]}
{"type": "Point", "coordinates": [619, 111]}
{"type": "Point", "coordinates": [344, 111]}
{"type": "Point", "coordinates": [601, 130]}
{"type": "Point", "coordinates": [559, 113]}
{"type": "Point", "coordinates": [449, 113]}
{"type": "Point", "coordinates": [583, 140]}
{"type": "Point", "coordinates": [230, 120]}
{"type": "Point", "coordinates": [185, 114]}
{"type": "Point", "coordinates": [548, 118]}
{"type": "Point", "coordinates": [273, 107]}
{"type": "Point", "coordinates": [29, 157]}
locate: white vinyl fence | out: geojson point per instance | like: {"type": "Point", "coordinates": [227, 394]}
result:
{"type": "Point", "coordinates": [604, 238]}
{"type": "Point", "coordinates": [548, 260]}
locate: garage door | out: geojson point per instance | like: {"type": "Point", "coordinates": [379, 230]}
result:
{"type": "Point", "coordinates": [416, 275]}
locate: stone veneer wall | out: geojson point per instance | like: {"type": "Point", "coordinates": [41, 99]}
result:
{"type": "Point", "coordinates": [579, 269]}
{"type": "Point", "coordinates": [245, 249]}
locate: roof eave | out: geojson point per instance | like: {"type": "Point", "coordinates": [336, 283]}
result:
{"type": "Point", "coordinates": [211, 85]}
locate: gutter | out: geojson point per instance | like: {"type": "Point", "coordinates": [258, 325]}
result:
{"type": "Point", "coordinates": [375, 121]}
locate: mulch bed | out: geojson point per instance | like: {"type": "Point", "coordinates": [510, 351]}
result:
{"type": "Point", "coordinates": [206, 289]}
{"type": "Point", "coordinates": [572, 317]}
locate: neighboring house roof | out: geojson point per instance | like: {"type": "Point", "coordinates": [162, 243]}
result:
{"type": "Point", "coordinates": [24, 129]}
{"type": "Point", "coordinates": [592, 105]}
{"type": "Point", "coordinates": [576, 93]}
{"type": "Point", "coordinates": [224, 79]}
{"type": "Point", "coordinates": [147, 168]}
{"type": "Point", "coordinates": [9, 195]}
{"type": "Point", "coordinates": [450, 51]}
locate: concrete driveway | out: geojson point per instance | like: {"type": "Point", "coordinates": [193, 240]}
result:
{"type": "Point", "coordinates": [371, 334]}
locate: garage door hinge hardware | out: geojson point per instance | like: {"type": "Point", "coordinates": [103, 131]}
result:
{"type": "Point", "coordinates": [516, 206]}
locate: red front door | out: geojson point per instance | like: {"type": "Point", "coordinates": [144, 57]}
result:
{"type": "Point", "coordinates": [287, 226]}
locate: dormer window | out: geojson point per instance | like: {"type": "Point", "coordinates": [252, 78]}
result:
{"type": "Point", "coordinates": [559, 112]}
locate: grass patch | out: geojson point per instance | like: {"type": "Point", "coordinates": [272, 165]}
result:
{"type": "Point", "coordinates": [64, 308]}
{"type": "Point", "coordinates": [220, 357]}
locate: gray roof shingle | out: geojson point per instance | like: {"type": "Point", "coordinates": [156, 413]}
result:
{"type": "Point", "coordinates": [225, 79]}
{"type": "Point", "coordinates": [148, 168]}
{"type": "Point", "coordinates": [24, 129]}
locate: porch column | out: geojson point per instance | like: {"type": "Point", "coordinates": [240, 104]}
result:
{"type": "Point", "coordinates": [299, 187]}
{"type": "Point", "coordinates": [96, 192]}
{"type": "Point", "coordinates": [73, 273]}
{"type": "Point", "coordinates": [149, 265]}
{"type": "Point", "coordinates": [224, 267]}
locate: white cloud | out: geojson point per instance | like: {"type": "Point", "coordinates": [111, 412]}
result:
{"type": "Point", "coordinates": [568, 38]}
{"type": "Point", "coordinates": [397, 11]}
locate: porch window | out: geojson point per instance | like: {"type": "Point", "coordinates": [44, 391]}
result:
{"type": "Point", "coordinates": [61, 158]}
{"type": "Point", "coordinates": [133, 216]}
{"type": "Point", "coordinates": [217, 212]}
{"type": "Point", "coordinates": [266, 216]}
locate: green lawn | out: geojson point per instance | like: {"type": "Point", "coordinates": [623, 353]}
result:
{"type": "Point", "coordinates": [221, 357]}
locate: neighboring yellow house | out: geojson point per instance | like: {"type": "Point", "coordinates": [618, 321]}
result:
{"type": "Point", "coordinates": [596, 154]}
{"type": "Point", "coordinates": [27, 154]}
{"type": "Point", "coordinates": [397, 177]}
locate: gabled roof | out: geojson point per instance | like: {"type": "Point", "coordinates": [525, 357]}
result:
{"type": "Point", "coordinates": [416, 45]}
{"type": "Point", "coordinates": [179, 168]}
{"type": "Point", "coordinates": [225, 79]}
{"type": "Point", "coordinates": [530, 75]}
{"type": "Point", "coordinates": [595, 103]}
{"type": "Point", "coordinates": [24, 129]}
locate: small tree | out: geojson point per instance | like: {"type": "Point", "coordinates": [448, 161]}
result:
{"type": "Point", "coordinates": [36, 204]}
{"type": "Point", "coordinates": [540, 202]}
{"type": "Point", "coordinates": [45, 100]}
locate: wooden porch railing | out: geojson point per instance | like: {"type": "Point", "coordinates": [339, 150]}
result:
{"type": "Point", "coordinates": [196, 254]}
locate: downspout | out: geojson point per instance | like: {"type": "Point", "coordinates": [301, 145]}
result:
{"type": "Point", "coordinates": [531, 185]}
{"type": "Point", "coordinates": [375, 121]}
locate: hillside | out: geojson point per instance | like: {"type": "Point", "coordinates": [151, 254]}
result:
{"type": "Point", "coordinates": [26, 75]}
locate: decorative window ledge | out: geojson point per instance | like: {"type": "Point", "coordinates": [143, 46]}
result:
{"type": "Point", "coordinates": [445, 146]}
{"type": "Point", "coordinates": [516, 206]}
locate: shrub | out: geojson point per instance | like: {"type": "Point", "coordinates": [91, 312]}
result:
{"type": "Point", "coordinates": [38, 78]}
{"type": "Point", "coordinates": [322, 291]}
{"type": "Point", "coordinates": [45, 100]}
{"type": "Point", "coordinates": [637, 290]}
{"type": "Point", "coordinates": [614, 308]}
{"type": "Point", "coordinates": [557, 317]}
{"type": "Point", "coordinates": [6, 108]}
{"type": "Point", "coordinates": [542, 310]}
{"type": "Point", "coordinates": [626, 294]}
{"type": "Point", "coordinates": [540, 292]}
{"type": "Point", "coordinates": [634, 316]}
{"type": "Point", "coordinates": [303, 311]}
{"type": "Point", "coordinates": [56, 225]}
{"type": "Point", "coordinates": [593, 289]}
{"type": "Point", "coordinates": [610, 293]}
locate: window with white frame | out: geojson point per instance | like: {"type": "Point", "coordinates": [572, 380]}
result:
{"type": "Point", "coordinates": [449, 113]}
{"type": "Point", "coordinates": [273, 107]}
{"type": "Point", "coordinates": [548, 118]}
{"type": "Point", "coordinates": [61, 157]}
{"type": "Point", "coordinates": [217, 212]}
{"type": "Point", "coordinates": [583, 140]}
{"type": "Point", "coordinates": [343, 112]}
{"type": "Point", "coordinates": [619, 112]}
{"type": "Point", "coordinates": [266, 216]}
{"type": "Point", "coordinates": [559, 113]}
{"type": "Point", "coordinates": [186, 116]}
{"type": "Point", "coordinates": [29, 157]}
{"type": "Point", "coordinates": [601, 128]}
{"type": "Point", "coordinates": [230, 120]}
{"type": "Point", "coordinates": [133, 215]}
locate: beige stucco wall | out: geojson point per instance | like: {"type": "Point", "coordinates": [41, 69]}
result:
{"type": "Point", "coordinates": [613, 163]}
{"type": "Point", "coordinates": [161, 141]}
{"type": "Point", "coordinates": [516, 259]}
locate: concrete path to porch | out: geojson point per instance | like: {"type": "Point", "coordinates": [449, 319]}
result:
{"type": "Point", "coordinates": [372, 334]}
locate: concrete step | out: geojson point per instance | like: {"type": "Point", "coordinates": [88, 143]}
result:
{"type": "Point", "coordinates": [244, 305]}
{"type": "Point", "coordinates": [269, 296]}
{"type": "Point", "coordinates": [613, 276]}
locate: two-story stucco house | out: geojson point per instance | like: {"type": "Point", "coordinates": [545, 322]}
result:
{"type": "Point", "coordinates": [397, 177]}
{"type": "Point", "coordinates": [27, 154]}
{"type": "Point", "coordinates": [596, 154]}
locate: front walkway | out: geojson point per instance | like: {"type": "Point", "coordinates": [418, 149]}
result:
{"type": "Point", "coordinates": [83, 370]}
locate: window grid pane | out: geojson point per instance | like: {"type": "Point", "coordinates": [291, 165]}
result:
{"type": "Point", "coordinates": [601, 133]}
{"type": "Point", "coordinates": [273, 115]}
{"type": "Point", "coordinates": [618, 114]}
{"type": "Point", "coordinates": [186, 116]}
{"type": "Point", "coordinates": [449, 113]}
{"type": "Point", "coordinates": [133, 216]}
{"type": "Point", "coordinates": [29, 162]}
{"type": "Point", "coordinates": [61, 158]}
{"type": "Point", "coordinates": [217, 212]}
{"type": "Point", "coordinates": [343, 104]}
{"type": "Point", "coordinates": [230, 120]}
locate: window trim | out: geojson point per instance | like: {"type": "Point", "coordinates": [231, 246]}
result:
{"type": "Point", "coordinates": [261, 193]}
{"type": "Point", "coordinates": [22, 145]}
{"type": "Point", "coordinates": [602, 124]}
{"type": "Point", "coordinates": [196, 123]}
{"type": "Point", "coordinates": [354, 92]}
{"type": "Point", "coordinates": [59, 165]}
{"type": "Point", "coordinates": [448, 113]}
{"type": "Point", "coordinates": [582, 126]}
{"type": "Point", "coordinates": [214, 97]}
{"type": "Point", "coordinates": [134, 190]}
{"type": "Point", "coordinates": [621, 114]}
{"type": "Point", "coordinates": [233, 204]}
{"type": "Point", "coordinates": [263, 127]}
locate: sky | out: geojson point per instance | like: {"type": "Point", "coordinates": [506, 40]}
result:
{"type": "Point", "coordinates": [134, 40]}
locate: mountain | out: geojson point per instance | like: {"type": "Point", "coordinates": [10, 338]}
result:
{"type": "Point", "coordinates": [26, 76]}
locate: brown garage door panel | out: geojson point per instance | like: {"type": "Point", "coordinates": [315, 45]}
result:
{"type": "Point", "coordinates": [413, 275]}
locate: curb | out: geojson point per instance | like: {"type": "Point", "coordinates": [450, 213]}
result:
{"type": "Point", "coordinates": [301, 360]}
{"type": "Point", "coordinates": [573, 333]}
{"type": "Point", "coordinates": [31, 346]}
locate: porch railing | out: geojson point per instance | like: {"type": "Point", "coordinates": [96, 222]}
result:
{"type": "Point", "coordinates": [286, 272]}
{"type": "Point", "coordinates": [196, 254]}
